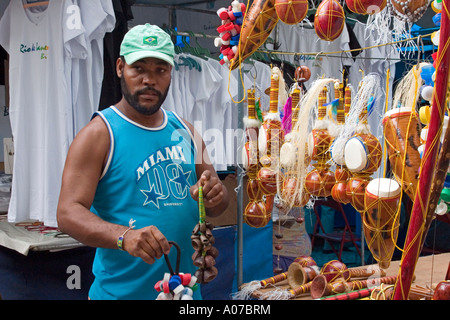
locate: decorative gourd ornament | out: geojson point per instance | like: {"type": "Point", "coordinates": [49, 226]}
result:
{"type": "Point", "coordinates": [202, 241]}
{"type": "Point", "coordinates": [255, 213]}
{"type": "Point", "coordinates": [270, 139]}
{"type": "Point", "coordinates": [363, 154]}
{"type": "Point", "coordinates": [259, 21]}
{"type": "Point", "coordinates": [408, 10]}
{"type": "Point", "coordinates": [365, 6]}
{"type": "Point", "coordinates": [321, 180]}
{"type": "Point", "coordinates": [291, 11]}
{"type": "Point", "coordinates": [339, 190]}
{"type": "Point", "coordinates": [302, 74]}
{"type": "Point", "coordinates": [329, 20]}
{"type": "Point", "coordinates": [291, 192]}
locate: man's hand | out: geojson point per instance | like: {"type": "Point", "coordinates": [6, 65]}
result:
{"type": "Point", "coordinates": [212, 189]}
{"type": "Point", "coordinates": [147, 243]}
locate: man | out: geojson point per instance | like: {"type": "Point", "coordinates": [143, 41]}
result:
{"type": "Point", "coordinates": [131, 178]}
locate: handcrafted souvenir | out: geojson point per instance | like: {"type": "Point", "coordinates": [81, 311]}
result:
{"type": "Point", "coordinates": [381, 220]}
{"type": "Point", "coordinates": [248, 290]}
{"type": "Point", "coordinates": [270, 139]}
{"type": "Point", "coordinates": [408, 10]}
{"type": "Point", "coordinates": [176, 285]}
{"type": "Point", "coordinates": [291, 11]}
{"type": "Point", "coordinates": [402, 136]}
{"type": "Point", "coordinates": [365, 6]}
{"type": "Point", "coordinates": [329, 20]}
{"type": "Point", "coordinates": [229, 31]}
{"type": "Point", "coordinates": [299, 275]}
{"type": "Point", "coordinates": [320, 287]}
{"type": "Point", "coordinates": [362, 156]}
{"type": "Point", "coordinates": [382, 292]}
{"type": "Point", "coordinates": [331, 272]}
{"type": "Point", "coordinates": [363, 152]}
{"type": "Point", "coordinates": [442, 291]}
{"type": "Point", "coordinates": [259, 22]}
{"type": "Point", "coordinates": [255, 213]}
{"type": "Point", "coordinates": [339, 190]}
{"type": "Point", "coordinates": [320, 181]}
{"type": "Point", "coordinates": [302, 74]}
{"type": "Point", "coordinates": [356, 189]}
{"type": "Point", "coordinates": [428, 168]}
{"type": "Point", "coordinates": [202, 241]}
{"type": "Point", "coordinates": [292, 192]}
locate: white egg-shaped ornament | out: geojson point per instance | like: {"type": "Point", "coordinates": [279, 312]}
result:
{"type": "Point", "coordinates": [427, 93]}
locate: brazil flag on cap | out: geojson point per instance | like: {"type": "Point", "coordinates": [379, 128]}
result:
{"type": "Point", "coordinates": [151, 41]}
{"type": "Point", "coordinates": [147, 41]}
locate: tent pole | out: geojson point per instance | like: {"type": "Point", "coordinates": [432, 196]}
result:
{"type": "Point", "coordinates": [240, 192]}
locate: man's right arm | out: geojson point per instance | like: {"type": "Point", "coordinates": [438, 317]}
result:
{"type": "Point", "coordinates": [84, 165]}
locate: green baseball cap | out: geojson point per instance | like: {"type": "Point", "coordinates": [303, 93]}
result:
{"type": "Point", "coordinates": [147, 41]}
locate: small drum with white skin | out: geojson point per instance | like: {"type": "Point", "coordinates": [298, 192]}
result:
{"type": "Point", "coordinates": [381, 221]}
{"type": "Point", "coordinates": [362, 154]}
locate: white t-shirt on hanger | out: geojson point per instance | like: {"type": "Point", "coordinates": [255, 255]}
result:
{"type": "Point", "coordinates": [298, 39]}
{"type": "Point", "coordinates": [87, 74]}
{"type": "Point", "coordinates": [39, 41]}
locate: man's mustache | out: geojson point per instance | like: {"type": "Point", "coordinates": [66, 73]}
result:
{"type": "Point", "coordinates": [148, 89]}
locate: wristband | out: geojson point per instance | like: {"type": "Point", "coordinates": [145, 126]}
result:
{"type": "Point", "coordinates": [120, 239]}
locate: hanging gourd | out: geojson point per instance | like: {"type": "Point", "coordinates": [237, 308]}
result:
{"type": "Point", "coordinates": [407, 10]}
{"type": "Point", "coordinates": [255, 213]}
{"type": "Point", "coordinates": [259, 22]}
{"type": "Point", "coordinates": [365, 6]}
{"type": "Point", "coordinates": [291, 11]}
{"type": "Point", "coordinates": [362, 156]}
{"type": "Point", "coordinates": [339, 190]}
{"type": "Point", "coordinates": [320, 180]}
{"type": "Point", "coordinates": [292, 189]}
{"type": "Point", "coordinates": [329, 20]}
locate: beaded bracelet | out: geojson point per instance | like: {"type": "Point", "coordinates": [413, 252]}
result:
{"type": "Point", "coordinates": [120, 239]}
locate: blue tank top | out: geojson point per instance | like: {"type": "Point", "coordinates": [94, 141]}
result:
{"type": "Point", "coordinates": [147, 178]}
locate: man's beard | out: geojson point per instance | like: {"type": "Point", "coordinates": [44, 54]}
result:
{"type": "Point", "coordinates": [133, 99]}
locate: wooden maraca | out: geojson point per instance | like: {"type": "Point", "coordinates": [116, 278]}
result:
{"type": "Point", "coordinates": [320, 180]}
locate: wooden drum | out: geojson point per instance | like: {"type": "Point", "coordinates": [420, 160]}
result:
{"type": "Point", "coordinates": [402, 136]}
{"type": "Point", "coordinates": [381, 222]}
{"type": "Point", "coordinates": [363, 154]}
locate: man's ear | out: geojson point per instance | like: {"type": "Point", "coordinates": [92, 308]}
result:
{"type": "Point", "coordinates": [120, 64]}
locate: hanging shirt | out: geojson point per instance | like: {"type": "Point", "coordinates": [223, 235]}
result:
{"type": "Point", "coordinates": [294, 38]}
{"type": "Point", "coordinates": [87, 74]}
{"type": "Point", "coordinates": [147, 179]}
{"type": "Point", "coordinates": [376, 62]}
{"type": "Point", "coordinates": [39, 41]}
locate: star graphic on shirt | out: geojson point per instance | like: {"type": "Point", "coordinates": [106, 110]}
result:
{"type": "Point", "coordinates": [152, 196]}
{"type": "Point", "coordinates": [183, 180]}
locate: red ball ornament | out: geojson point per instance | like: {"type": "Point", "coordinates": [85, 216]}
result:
{"type": "Point", "coordinates": [339, 192]}
{"type": "Point", "coordinates": [334, 270]}
{"type": "Point", "coordinates": [291, 11]}
{"type": "Point", "coordinates": [320, 182]}
{"type": "Point", "coordinates": [329, 20]}
{"type": "Point", "coordinates": [267, 180]}
{"type": "Point", "coordinates": [256, 215]}
{"type": "Point", "coordinates": [305, 261]}
{"type": "Point", "coordinates": [365, 6]}
{"type": "Point", "coordinates": [442, 291]}
{"type": "Point", "coordinates": [302, 74]}
{"type": "Point", "coordinates": [291, 194]}
{"type": "Point", "coordinates": [253, 190]}
{"type": "Point", "coordinates": [356, 190]}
